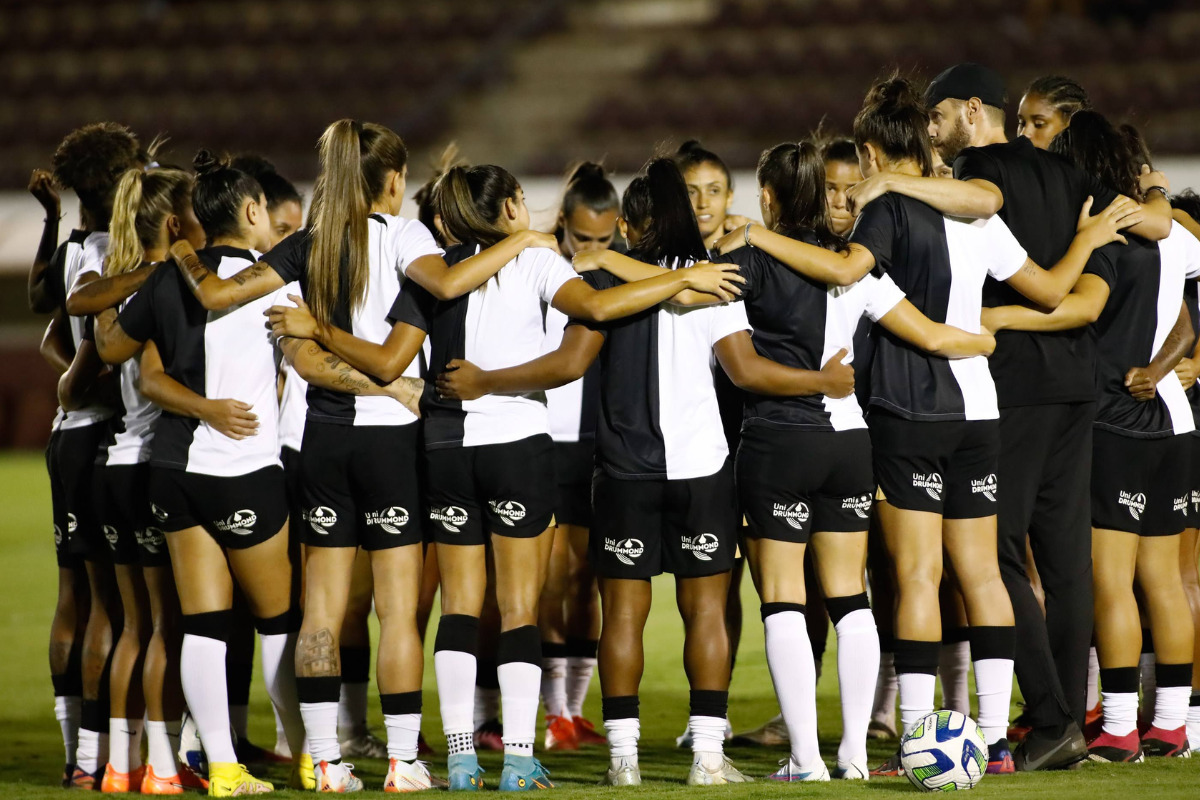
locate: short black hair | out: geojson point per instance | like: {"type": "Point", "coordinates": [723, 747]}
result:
{"type": "Point", "coordinates": [278, 189]}
{"type": "Point", "coordinates": [220, 190]}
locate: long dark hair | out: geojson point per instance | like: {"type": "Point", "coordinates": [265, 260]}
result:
{"type": "Point", "coordinates": [656, 203]}
{"type": "Point", "coordinates": [1098, 148]}
{"type": "Point", "coordinates": [795, 173]}
{"type": "Point", "coordinates": [471, 200]}
{"type": "Point", "coordinates": [426, 196]}
{"type": "Point", "coordinates": [692, 154]}
{"type": "Point", "coordinates": [219, 193]}
{"type": "Point", "coordinates": [894, 119]}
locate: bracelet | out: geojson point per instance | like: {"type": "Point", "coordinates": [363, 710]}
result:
{"type": "Point", "coordinates": [1162, 189]}
{"type": "Point", "coordinates": [746, 236]}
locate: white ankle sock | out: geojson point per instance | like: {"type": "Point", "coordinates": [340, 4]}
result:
{"type": "Point", "coordinates": [281, 745]}
{"type": "Point", "coordinates": [202, 671]}
{"type": "Point", "coordinates": [87, 751]}
{"type": "Point", "coordinates": [993, 686]}
{"type": "Point", "coordinates": [554, 686]}
{"type": "Point", "coordinates": [883, 707]}
{"type": "Point", "coordinates": [623, 735]}
{"type": "Point", "coordinates": [1193, 727]}
{"type": "Point", "coordinates": [402, 733]}
{"type": "Point", "coordinates": [857, 666]}
{"type": "Point", "coordinates": [954, 665]}
{"type": "Point", "coordinates": [519, 684]}
{"type": "Point", "coordinates": [352, 710]}
{"type": "Point", "coordinates": [159, 752]}
{"type": "Point", "coordinates": [455, 672]}
{"type": "Point", "coordinates": [279, 675]}
{"type": "Point", "coordinates": [1171, 707]}
{"type": "Point", "coordinates": [708, 737]}
{"type": "Point", "coordinates": [118, 744]}
{"type": "Point", "coordinates": [790, 660]}
{"type": "Point", "coordinates": [1120, 712]}
{"type": "Point", "coordinates": [320, 723]}
{"type": "Point", "coordinates": [68, 710]}
{"type": "Point", "coordinates": [916, 698]}
{"type": "Point", "coordinates": [579, 678]}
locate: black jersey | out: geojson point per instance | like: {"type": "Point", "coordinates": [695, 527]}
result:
{"type": "Point", "coordinates": [1191, 298]}
{"type": "Point", "coordinates": [216, 354]}
{"type": "Point", "coordinates": [1043, 193]}
{"type": "Point", "coordinates": [393, 243]}
{"type": "Point", "coordinates": [940, 264]}
{"type": "Point", "coordinates": [1145, 281]}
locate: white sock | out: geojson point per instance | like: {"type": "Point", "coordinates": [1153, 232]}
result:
{"type": "Point", "coordinates": [554, 686]}
{"type": "Point", "coordinates": [1193, 727]}
{"type": "Point", "coordinates": [402, 733]}
{"type": "Point", "coordinates": [159, 753]}
{"type": "Point", "coordinates": [281, 745]}
{"type": "Point", "coordinates": [1171, 707]}
{"type": "Point", "coordinates": [1149, 683]}
{"type": "Point", "coordinates": [993, 686]}
{"type": "Point", "coordinates": [858, 666]}
{"type": "Point", "coordinates": [916, 697]}
{"type": "Point", "coordinates": [1093, 679]}
{"type": "Point", "coordinates": [202, 671]}
{"type": "Point", "coordinates": [790, 660]}
{"type": "Point", "coordinates": [883, 707]}
{"type": "Point", "coordinates": [455, 671]}
{"type": "Point", "coordinates": [118, 744]}
{"type": "Point", "coordinates": [623, 735]}
{"type": "Point", "coordinates": [487, 705]}
{"type": "Point", "coordinates": [320, 723]}
{"type": "Point", "coordinates": [67, 710]}
{"type": "Point", "coordinates": [708, 734]}
{"type": "Point", "coordinates": [87, 751]}
{"type": "Point", "coordinates": [519, 683]}
{"type": "Point", "coordinates": [954, 665]}
{"type": "Point", "coordinates": [239, 720]}
{"type": "Point", "coordinates": [352, 710]}
{"type": "Point", "coordinates": [579, 678]}
{"type": "Point", "coordinates": [1120, 712]}
{"type": "Point", "coordinates": [279, 675]}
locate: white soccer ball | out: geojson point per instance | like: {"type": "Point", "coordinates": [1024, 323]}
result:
{"type": "Point", "coordinates": [943, 752]}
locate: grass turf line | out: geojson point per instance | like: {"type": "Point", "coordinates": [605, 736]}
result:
{"type": "Point", "coordinates": [31, 747]}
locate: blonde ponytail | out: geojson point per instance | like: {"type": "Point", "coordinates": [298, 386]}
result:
{"type": "Point", "coordinates": [144, 198]}
{"type": "Point", "coordinates": [124, 248]}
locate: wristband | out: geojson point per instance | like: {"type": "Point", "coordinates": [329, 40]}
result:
{"type": "Point", "coordinates": [1162, 189]}
{"type": "Point", "coordinates": [746, 236]}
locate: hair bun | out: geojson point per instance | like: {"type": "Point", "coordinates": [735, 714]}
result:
{"type": "Point", "coordinates": [205, 163]}
{"type": "Point", "coordinates": [587, 171]}
{"type": "Point", "coordinates": [895, 93]}
{"type": "Point", "coordinates": [252, 164]}
{"type": "Point", "coordinates": [690, 146]}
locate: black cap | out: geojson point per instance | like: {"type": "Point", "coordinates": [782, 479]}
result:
{"type": "Point", "coordinates": [964, 81]}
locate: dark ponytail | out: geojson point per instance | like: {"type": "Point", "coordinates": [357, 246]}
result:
{"type": "Point", "coordinates": [588, 186]}
{"type": "Point", "coordinates": [426, 196]}
{"type": "Point", "coordinates": [1097, 148]}
{"type": "Point", "coordinates": [219, 193]}
{"type": "Point", "coordinates": [895, 120]}
{"type": "Point", "coordinates": [471, 200]}
{"type": "Point", "coordinates": [656, 203]}
{"type": "Point", "coordinates": [795, 173]}
{"type": "Point", "coordinates": [692, 154]}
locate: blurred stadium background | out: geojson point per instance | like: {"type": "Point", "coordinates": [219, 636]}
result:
{"type": "Point", "coordinates": [530, 84]}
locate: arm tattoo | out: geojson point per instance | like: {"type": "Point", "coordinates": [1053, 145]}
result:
{"type": "Point", "coordinates": [340, 375]}
{"type": "Point", "coordinates": [252, 272]}
{"type": "Point", "coordinates": [317, 655]}
{"type": "Point", "coordinates": [194, 271]}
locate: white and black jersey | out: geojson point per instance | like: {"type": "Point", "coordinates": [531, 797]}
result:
{"type": "Point", "coordinates": [216, 354]}
{"type": "Point", "coordinates": [940, 264]}
{"type": "Point", "coordinates": [658, 406]}
{"type": "Point", "coordinates": [802, 323]}
{"type": "Point", "coordinates": [572, 407]}
{"type": "Point", "coordinates": [82, 253]}
{"type": "Point", "coordinates": [500, 324]}
{"type": "Point", "coordinates": [1146, 281]}
{"type": "Point", "coordinates": [132, 428]}
{"type": "Point", "coordinates": [393, 244]}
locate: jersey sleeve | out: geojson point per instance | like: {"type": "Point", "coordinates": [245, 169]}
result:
{"type": "Point", "coordinates": [1103, 263]}
{"type": "Point", "coordinates": [974, 164]}
{"type": "Point", "coordinates": [727, 318]}
{"type": "Point", "coordinates": [876, 230]}
{"type": "Point", "coordinates": [1000, 249]}
{"type": "Point", "coordinates": [751, 263]}
{"type": "Point", "coordinates": [411, 240]}
{"type": "Point", "coordinates": [1189, 249]}
{"type": "Point", "coordinates": [882, 295]}
{"type": "Point", "coordinates": [289, 258]}
{"type": "Point", "coordinates": [138, 318]}
{"type": "Point", "coordinates": [552, 273]}
{"type": "Point", "coordinates": [598, 280]}
{"type": "Point", "coordinates": [413, 306]}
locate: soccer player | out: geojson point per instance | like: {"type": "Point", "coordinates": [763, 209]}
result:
{"type": "Point", "coordinates": [1046, 108]}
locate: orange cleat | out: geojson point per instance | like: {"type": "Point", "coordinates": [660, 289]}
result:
{"type": "Point", "coordinates": [586, 733]}
{"type": "Point", "coordinates": [191, 779]}
{"type": "Point", "coordinates": [121, 782]}
{"type": "Point", "coordinates": [560, 733]}
{"type": "Point", "coordinates": [153, 784]}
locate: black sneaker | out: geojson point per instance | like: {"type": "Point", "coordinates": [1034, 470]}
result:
{"type": "Point", "coordinates": [890, 768]}
{"type": "Point", "coordinates": [1042, 751]}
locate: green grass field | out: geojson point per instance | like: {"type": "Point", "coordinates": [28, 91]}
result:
{"type": "Point", "coordinates": [31, 749]}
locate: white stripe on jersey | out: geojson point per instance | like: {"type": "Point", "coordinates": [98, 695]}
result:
{"type": "Point", "coordinates": [1179, 257]}
{"type": "Point", "coordinates": [82, 259]}
{"type": "Point", "coordinates": [132, 445]}
{"type": "Point", "coordinates": [293, 407]}
{"type": "Point", "coordinates": [565, 404]}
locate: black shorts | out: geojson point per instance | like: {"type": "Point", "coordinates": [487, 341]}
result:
{"type": "Point", "coordinates": [574, 463]}
{"type": "Point", "coordinates": [644, 528]}
{"type": "Point", "coordinates": [71, 463]}
{"type": "Point", "coordinates": [946, 468]}
{"type": "Point", "coordinates": [792, 483]}
{"type": "Point", "coordinates": [1194, 479]}
{"type": "Point", "coordinates": [1140, 486]}
{"type": "Point", "coordinates": [238, 512]}
{"type": "Point", "coordinates": [360, 486]}
{"type": "Point", "coordinates": [132, 533]}
{"type": "Point", "coordinates": [504, 489]}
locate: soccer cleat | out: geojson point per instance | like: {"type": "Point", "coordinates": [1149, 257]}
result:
{"type": "Point", "coordinates": [404, 776]}
{"type": "Point", "coordinates": [464, 772]}
{"type": "Point", "coordinates": [1093, 722]}
{"type": "Point", "coordinates": [700, 775]}
{"type": "Point", "coordinates": [1166, 744]}
{"type": "Point", "coordinates": [560, 733]}
{"type": "Point", "coordinates": [121, 782]}
{"type": "Point", "coordinates": [423, 748]}
{"type": "Point", "coordinates": [1018, 730]}
{"type": "Point", "coordinates": [1040, 751]}
{"type": "Point", "coordinates": [190, 780]}
{"type": "Point", "coordinates": [232, 780]}
{"type": "Point", "coordinates": [82, 780]}
{"type": "Point", "coordinates": [890, 768]}
{"type": "Point", "coordinates": [489, 736]}
{"type": "Point", "coordinates": [879, 729]}
{"type": "Point", "coordinates": [524, 774]}
{"type": "Point", "coordinates": [772, 733]}
{"type": "Point", "coordinates": [153, 784]}
{"type": "Point", "coordinates": [684, 739]}
{"type": "Point", "coordinates": [851, 771]}
{"type": "Point", "coordinates": [68, 771]}
{"type": "Point", "coordinates": [250, 754]}
{"type": "Point", "coordinates": [1116, 749]}
{"type": "Point", "coordinates": [1000, 760]}
{"type": "Point", "coordinates": [303, 775]}
{"type": "Point", "coordinates": [336, 778]}
{"type": "Point", "coordinates": [585, 733]}
{"type": "Point", "coordinates": [789, 772]}
{"type": "Point", "coordinates": [625, 773]}
{"type": "Point", "coordinates": [364, 745]}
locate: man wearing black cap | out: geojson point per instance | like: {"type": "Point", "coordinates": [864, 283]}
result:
{"type": "Point", "coordinates": [1044, 383]}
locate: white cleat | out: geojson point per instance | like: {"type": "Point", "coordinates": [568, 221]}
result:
{"type": "Point", "coordinates": [336, 778]}
{"type": "Point", "coordinates": [772, 733]}
{"type": "Point", "coordinates": [701, 775]}
{"type": "Point", "coordinates": [625, 773]}
{"type": "Point", "coordinates": [852, 771]}
{"type": "Point", "coordinates": [790, 772]}
{"type": "Point", "coordinates": [363, 745]}
{"type": "Point", "coordinates": [404, 776]}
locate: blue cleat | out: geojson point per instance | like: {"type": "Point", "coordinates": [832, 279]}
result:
{"type": "Point", "coordinates": [465, 773]}
{"type": "Point", "coordinates": [524, 774]}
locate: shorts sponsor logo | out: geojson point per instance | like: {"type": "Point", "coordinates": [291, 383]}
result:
{"type": "Point", "coordinates": [321, 519]}
{"type": "Point", "coordinates": [795, 514]}
{"type": "Point", "coordinates": [151, 540]}
{"type": "Point", "coordinates": [860, 504]}
{"type": "Point", "coordinates": [58, 537]}
{"type": "Point", "coordinates": [1180, 504]}
{"type": "Point", "coordinates": [1136, 503]}
{"type": "Point", "coordinates": [702, 546]}
{"type": "Point", "coordinates": [391, 519]}
{"type": "Point", "coordinates": [451, 517]}
{"type": "Point", "coordinates": [158, 513]}
{"type": "Point", "coordinates": [110, 533]}
{"type": "Point", "coordinates": [931, 483]}
{"type": "Point", "coordinates": [239, 523]}
{"type": "Point", "coordinates": [510, 512]}
{"type": "Point", "coordinates": [72, 524]}
{"type": "Point", "coordinates": [1196, 500]}
{"type": "Point", "coordinates": [985, 487]}
{"type": "Point", "coordinates": [626, 550]}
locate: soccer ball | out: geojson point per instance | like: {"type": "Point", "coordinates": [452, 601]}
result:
{"type": "Point", "coordinates": [945, 751]}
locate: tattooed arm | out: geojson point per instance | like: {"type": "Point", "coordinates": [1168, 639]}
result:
{"type": "Point", "coordinates": [215, 293]}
